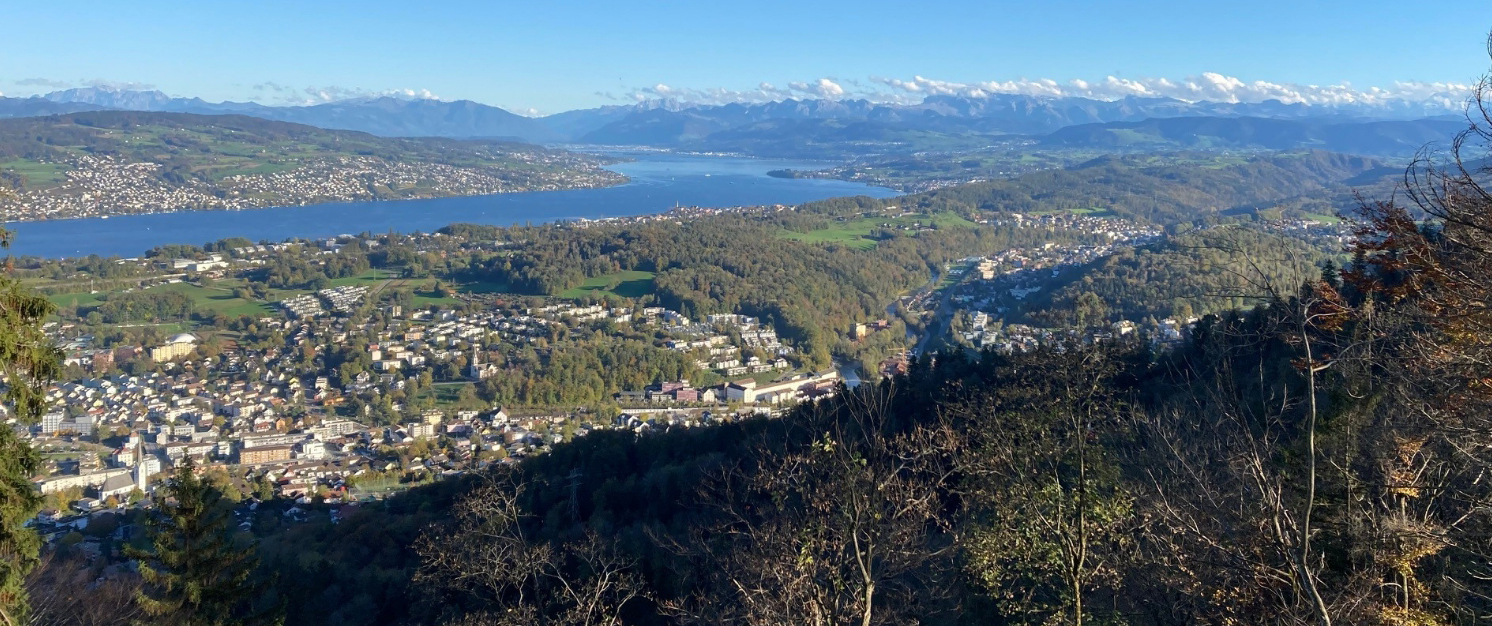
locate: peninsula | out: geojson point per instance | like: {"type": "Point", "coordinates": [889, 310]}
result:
{"type": "Point", "coordinates": [105, 163]}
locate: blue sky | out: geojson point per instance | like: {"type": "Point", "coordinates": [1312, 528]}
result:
{"type": "Point", "coordinates": [556, 55]}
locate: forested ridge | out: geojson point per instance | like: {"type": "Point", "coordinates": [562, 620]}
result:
{"type": "Point", "coordinates": [1166, 194]}
{"type": "Point", "coordinates": [1400, 137]}
{"type": "Point", "coordinates": [187, 136]}
{"type": "Point", "coordinates": [734, 264]}
{"type": "Point", "coordinates": [1196, 273]}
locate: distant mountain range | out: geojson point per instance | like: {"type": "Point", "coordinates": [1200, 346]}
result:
{"type": "Point", "coordinates": [34, 107]}
{"type": "Point", "coordinates": [699, 127]}
{"type": "Point", "coordinates": [828, 128]}
{"type": "Point", "coordinates": [386, 116]}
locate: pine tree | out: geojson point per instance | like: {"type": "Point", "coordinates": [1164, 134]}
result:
{"type": "Point", "coordinates": [28, 364]}
{"type": "Point", "coordinates": [1331, 275]}
{"type": "Point", "coordinates": [195, 574]}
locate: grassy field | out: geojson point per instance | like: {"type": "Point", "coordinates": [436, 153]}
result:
{"type": "Point", "coordinates": [850, 234]}
{"type": "Point", "coordinates": [217, 297]}
{"type": "Point", "coordinates": [1323, 218]}
{"type": "Point", "coordinates": [856, 232]}
{"type": "Point", "coordinates": [630, 284]}
{"type": "Point", "coordinates": [219, 300]}
{"type": "Point", "coordinates": [75, 299]}
{"type": "Point", "coordinates": [1089, 212]}
{"type": "Point", "coordinates": [37, 174]}
{"type": "Point", "coordinates": [483, 286]}
{"type": "Point", "coordinates": [372, 279]}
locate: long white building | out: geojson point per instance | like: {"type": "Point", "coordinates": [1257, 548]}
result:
{"type": "Point", "coordinates": [796, 388]}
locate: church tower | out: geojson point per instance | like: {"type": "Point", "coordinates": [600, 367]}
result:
{"type": "Point", "coordinates": [141, 473]}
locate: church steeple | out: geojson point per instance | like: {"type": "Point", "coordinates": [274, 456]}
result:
{"type": "Point", "coordinates": [141, 477]}
{"type": "Point", "coordinates": [474, 368]}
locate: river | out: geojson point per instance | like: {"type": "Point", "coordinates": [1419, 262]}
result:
{"type": "Point", "coordinates": [658, 182]}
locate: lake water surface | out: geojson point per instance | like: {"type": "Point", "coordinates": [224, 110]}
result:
{"type": "Point", "coordinates": [659, 181]}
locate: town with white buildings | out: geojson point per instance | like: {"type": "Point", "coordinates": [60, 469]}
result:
{"type": "Point", "coordinates": [268, 416]}
{"type": "Point", "coordinates": [94, 186]}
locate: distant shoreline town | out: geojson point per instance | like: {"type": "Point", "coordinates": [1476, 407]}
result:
{"type": "Point", "coordinates": [101, 187]}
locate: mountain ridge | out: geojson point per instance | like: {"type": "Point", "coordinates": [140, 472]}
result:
{"type": "Point", "coordinates": [671, 122]}
{"type": "Point", "coordinates": [1376, 137]}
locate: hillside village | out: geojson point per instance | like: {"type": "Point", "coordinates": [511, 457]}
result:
{"type": "Point", "coordinates": [95, 186]}
{"type": "Point", "coordinates": [251, 414]}
{"type": "Point", "coordinates": [991, 289]}
{"type": "Point", "coordinates": [269, 410]}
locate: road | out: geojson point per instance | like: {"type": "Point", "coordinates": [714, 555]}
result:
{"type": "Point", "coordinates": [915, 297]}
{"type": "Point", "coordinates": [941, 315]}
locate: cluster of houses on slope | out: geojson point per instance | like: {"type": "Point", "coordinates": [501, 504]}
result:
{"type": "Point", "coordinates": [800, 388]}
{"type": "Point", "coordinates": [339, 300]}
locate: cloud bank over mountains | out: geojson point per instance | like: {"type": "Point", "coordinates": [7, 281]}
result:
{"type": "Point", "coordinates": [824, 88]}
{"type": "Point", "coordinates": [1208, 87]}
{"type": "Point", "coordinates": [96, 83]}
{"type": "Point", "coordinates": [1204, 87]}
{"type": "Point", "coordinates": [305, 96]}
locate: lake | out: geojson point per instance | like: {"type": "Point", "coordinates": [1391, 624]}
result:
{"type": "Point", "coordinates": [659, 181]}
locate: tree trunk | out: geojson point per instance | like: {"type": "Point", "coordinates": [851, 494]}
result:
{"type": "Point", "coordinates": [1303, 558]}
{"type": "Point", "coordinates": [1077, 602]}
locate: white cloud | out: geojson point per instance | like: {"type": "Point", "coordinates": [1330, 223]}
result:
{"type": "Point", "coordinates": [1208, 86]}
{"type": "Point", "coordinates": [117, 85]}
{"type": "Point", "coordinates": [412, 94]}
{"type": "Point", "coordinates": [821, 88]}
{"type": "Point", "coordinates": [43, 82]}
{"type": "Point", "coordinates": [286, 95]}
{"type": "Point", "coordinates": [272, 86]}
{"type": "Point", "coordinates": [98, 83]}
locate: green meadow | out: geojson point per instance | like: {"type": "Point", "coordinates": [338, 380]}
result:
{"type": "Point", "coordinates": [628, 284]}
{"type": "Point", "coordinates": [857, 232]}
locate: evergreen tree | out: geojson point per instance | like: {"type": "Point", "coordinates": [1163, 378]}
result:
{"type": "Point", "coordinates": [195, 573]}
{"type": "Point", "coordinates": [1331, 274]}
{"type": "Point", "coordinates": [28, 363]}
